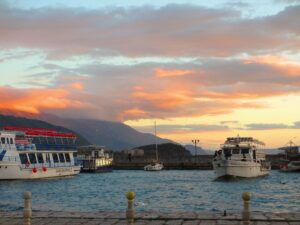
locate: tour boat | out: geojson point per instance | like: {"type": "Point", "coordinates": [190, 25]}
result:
{"type": "Point", "coordinates": [155, 165]}
{"type": "Point", "coordinates": [32, 153]}
{"type": "Point", "coordinates": [241, 157]}
{"type": "Point", "coordinates": [95, 159]}
{"type": "Point", "coordinates": [291, 160]}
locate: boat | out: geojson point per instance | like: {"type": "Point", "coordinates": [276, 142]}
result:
{"type": "Point", "coordinates": [34, 153]}
{"type": "Point", "coordinates": [290, 162]}
{"type": "Point", "coordinates": [95, 159]}
{"type": "Point", "coordinates": [155, 165]}
{"type": "Point", "coordinates": [241, 157]}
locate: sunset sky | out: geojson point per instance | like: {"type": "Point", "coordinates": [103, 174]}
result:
{"type": "Point", "coordinates": [201, 69]}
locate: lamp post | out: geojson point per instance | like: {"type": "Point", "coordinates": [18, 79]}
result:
{"type": "Point", "coordinates": [195, 141]}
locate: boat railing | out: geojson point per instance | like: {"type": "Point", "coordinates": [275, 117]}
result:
{"type": "Point", "coordinates": [10, 159]}
{"type": "Point", "coordinates": [47, 165]}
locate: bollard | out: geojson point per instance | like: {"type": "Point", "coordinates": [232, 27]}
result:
{"type": "Point", "coordinates": [246, 211]}
{"type": "Point", "coordinates": [130, 212]}
{"type": "Point", "coordinates": [27, 213]}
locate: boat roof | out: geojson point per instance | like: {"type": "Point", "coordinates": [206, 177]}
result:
{"type": "Point", "coordinates": [238, 140]}
{"type": "Point", "coordinates": [39, 132]}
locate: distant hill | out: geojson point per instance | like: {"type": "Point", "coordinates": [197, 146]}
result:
{"type": "Point", "coordinates": [113, 135]}
{"type": "Point", "coordinates": [32, 123]}
{"type": "Point", "coordinates": [168, 150]}
{"type": "Point", "coordinates": [199, 150]}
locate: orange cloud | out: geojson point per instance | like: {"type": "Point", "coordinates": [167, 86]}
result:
{"type": "Point", "coordinates": [279, 63]}
{"type": "Point", "coordinates": [172, 73]}
{"type": "Point", "coordinates": [133, 113]}
{"type": "Point", "coordinates": [34, 100]}
{"type": "Point", "coordinates": [77, 86]}
{"type": "Point", "coordinates": [165, 99]}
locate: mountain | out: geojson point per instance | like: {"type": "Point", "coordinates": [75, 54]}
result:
{"type": "Point", "coordinates": [199, 150]}
{"type": "Point", "coordinates": [24, 122]}
{"type": "Point", "coordinates": [113, 135]}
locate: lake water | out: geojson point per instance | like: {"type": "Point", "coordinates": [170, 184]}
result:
{"type": "Point", "coordinates": [169, 190]}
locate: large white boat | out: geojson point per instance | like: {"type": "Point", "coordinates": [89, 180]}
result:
{"type": "Point", "coordinates": [241, 157]}
{"type": "Point", "coordinates": [290, 161]}
{"type": "Point", "coordinates": [30, 153]}
{"type": "Point", "coordinates": [155, 165]}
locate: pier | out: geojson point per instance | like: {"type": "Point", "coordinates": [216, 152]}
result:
{"type": "Point", "coordinates": [148, 218]}
{"type": "Point", "coordinates": [130, 217]}
{"type": "Point", "coordinates": [202, 162]}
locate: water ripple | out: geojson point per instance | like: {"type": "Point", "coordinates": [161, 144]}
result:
{"type": "Point", "coordinates": [174, 190]}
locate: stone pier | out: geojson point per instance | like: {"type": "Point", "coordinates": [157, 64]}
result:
{"type": "Point", "coordinates": [149, 218]}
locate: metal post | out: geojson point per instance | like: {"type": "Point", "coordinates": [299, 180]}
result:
{"type": "Point", "coordinates": [246, 211]}
{"type": "Point", "coordinates": [195, 143]}
{"type": "Point", "coordinates": [130, 211]}
{"type": "Point", "coordinates": [27, 213]}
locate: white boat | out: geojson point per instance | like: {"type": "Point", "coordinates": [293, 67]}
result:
{"type": "Point", "coordinates": [291, 160]}
{"type": "Point", "coordinates": [241, 157]}
{"type": "Point", "coordinates": [155, 165]}
{"type": "Point", "coordinates": [29, 153]}
{"type": "Point", "coordinates": [95, 159]}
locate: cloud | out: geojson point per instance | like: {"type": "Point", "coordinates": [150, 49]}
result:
{"type": "Point", "coordinates": [271, 126]}
{"type": "Point", "coordinates": [185, 128]}
{"type": "Point", "coordinates": [172, 30]}
{"type": "Point", "coordinates": [172, 73]}
{"type": "Point", "coordinates": [36, 100]}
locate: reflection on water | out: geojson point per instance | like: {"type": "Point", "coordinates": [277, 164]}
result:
{"type": "Point", "coordinates": [174, 190]}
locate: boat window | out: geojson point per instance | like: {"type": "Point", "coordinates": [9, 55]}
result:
{"type": "Point", "coordinates": [3, 140]}
{"type": "Point", "coordinates": [58, 141]}
{"type": "Point", "coordinates": [55, 158]}
{"type": "Point", "coordinates": [236, 151]}
{"type": "Point", "coordinates": [36, 140]}
{"type": "Point", "coordinates": [245, 151]}
{"type": "Point", "coordinates": [65, 141]}
{"type": "Point", "coordinates": [51, 140]}
{"type": "Point", "coordinates": [61, 157]}
{"type": "Point", "coordinates": [7, 141]}
{"type": "Point", "coordinates": [227, 152]}
{"type": "Point", "coordinates": [70, 141]}
{"type": "Point", "coordinates": [11, 141]}
{"type": "Point", "coordinates": [32, 158]}
{"type": "Point", "coordinates": [43, 140]}
{"type": "Point", "coordinates": [67, 155]}
{"type": "Point", "coordinates": [40, 158]}
{"type": "Point", "coordinates": [23, 158]}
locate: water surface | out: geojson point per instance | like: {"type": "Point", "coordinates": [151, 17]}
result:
{"type": "Point", "coordinates": [169, 190]}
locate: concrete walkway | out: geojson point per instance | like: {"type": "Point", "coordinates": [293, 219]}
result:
{"type": "Point", "coordinates": [116, 218]}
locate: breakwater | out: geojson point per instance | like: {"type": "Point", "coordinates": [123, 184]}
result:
{"type": "Point", "coordinates": [204, 162]}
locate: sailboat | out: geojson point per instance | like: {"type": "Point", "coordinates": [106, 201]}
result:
{"type": "Point", "coordinates": [155, 165]}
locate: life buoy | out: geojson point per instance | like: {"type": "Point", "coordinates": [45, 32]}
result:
{"type": "Point", "coordinates": [34, 170]}
{"type": "Point", "coordinates": [27, 164]}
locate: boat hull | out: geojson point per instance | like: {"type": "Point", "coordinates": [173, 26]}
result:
{"type": "Point", "coordinates": [16, 172]}
{"type": "Point", "coordinates": [156, 167]}
{"type": "Point", "coordinates": [293, 166]}
{"type": "Point", "coordinates": [100, 169]}
{"type": "Point", "coordinates": [238, 169]}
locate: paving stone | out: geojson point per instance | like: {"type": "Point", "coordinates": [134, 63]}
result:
{"type": "Point", "coordinates": [191, 222]}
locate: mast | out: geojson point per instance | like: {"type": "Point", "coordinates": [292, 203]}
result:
{"type": "Point", "coordinates": [155, 141]}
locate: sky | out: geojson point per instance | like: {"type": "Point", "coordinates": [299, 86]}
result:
{"type": "Point", "coordinates": [202, 70]}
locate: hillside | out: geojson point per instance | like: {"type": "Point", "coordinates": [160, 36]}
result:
{"type": "Point", "coordinates": [168, 150]}
{"type": "Point", "coordinates": [24, 122]}
{"type": "Point", "coordinates": [113, 135]}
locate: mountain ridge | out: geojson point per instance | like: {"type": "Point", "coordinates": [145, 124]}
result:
{"type": "Point", "coordinates": [114, 135]}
